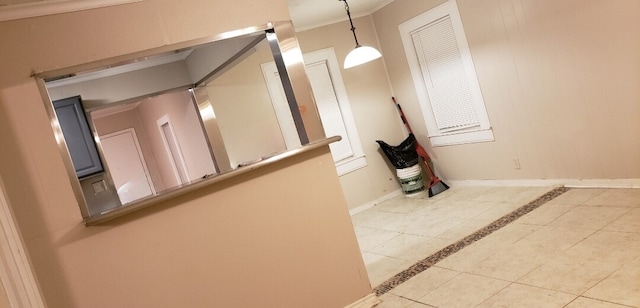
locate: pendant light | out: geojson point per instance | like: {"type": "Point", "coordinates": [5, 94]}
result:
{"type": "Point", "coordinates": [361, 54]}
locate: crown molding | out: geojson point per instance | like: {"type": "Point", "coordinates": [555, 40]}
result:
{"type": "Point", "coordinates": [50, 7]}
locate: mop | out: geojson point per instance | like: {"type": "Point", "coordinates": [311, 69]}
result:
{"type": "Point", "coordinates": [436, 185]}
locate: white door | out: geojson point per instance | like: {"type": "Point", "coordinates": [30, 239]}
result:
{"type": "Point", "coordinates": [333, 105]}
{"type": "Point", "coordinates": [127, 166]}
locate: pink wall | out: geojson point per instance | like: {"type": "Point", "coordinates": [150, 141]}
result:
{"type": "Point", "coordinates": [179, 108]}
{"type": "Point", "coordinates": [130, 119]}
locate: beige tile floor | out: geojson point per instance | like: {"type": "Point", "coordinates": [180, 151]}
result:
{"type": "Point", "coordinates": [581, 249]}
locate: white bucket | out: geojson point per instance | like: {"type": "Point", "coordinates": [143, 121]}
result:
{"type": "Point", "coordinates": [411, 180]}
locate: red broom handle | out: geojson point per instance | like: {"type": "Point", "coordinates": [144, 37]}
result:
{"type": "Point", "coordinates": [404, 119]}
{"type": "Point", "coordinates": [419, 149]}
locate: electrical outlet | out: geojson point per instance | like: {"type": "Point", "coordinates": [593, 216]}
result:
{"type": "Point", "coordinates": [516, 163]}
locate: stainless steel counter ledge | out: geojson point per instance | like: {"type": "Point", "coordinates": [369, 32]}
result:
{"type": "Point", "coordinates": [184, 189]}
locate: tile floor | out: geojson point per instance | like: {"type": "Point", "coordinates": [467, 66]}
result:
{"type": "Point", "coordinates": [578, 249]}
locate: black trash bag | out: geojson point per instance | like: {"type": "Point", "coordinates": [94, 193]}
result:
{"type": "Point", "coordinates": [403, 155]}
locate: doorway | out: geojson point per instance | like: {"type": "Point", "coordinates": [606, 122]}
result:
{"type": "Point", "coordinates": [174, 152]}
{"type": "Point", "coordinates": [130, 176]}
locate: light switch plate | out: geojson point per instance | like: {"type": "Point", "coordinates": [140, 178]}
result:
{"type": "Point", "coordinates": [99, 186]}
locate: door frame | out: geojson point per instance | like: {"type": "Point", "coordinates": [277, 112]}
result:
{"type": "Point", "coordinates": [17, 277]}
{"type": "Point", "coordinates": [179, 166]}
{"type": "Point", "coordinates": [138, 149]}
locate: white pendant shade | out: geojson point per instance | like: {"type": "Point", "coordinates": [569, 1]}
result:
{"type": "Point", "coordinates": [360, 55]}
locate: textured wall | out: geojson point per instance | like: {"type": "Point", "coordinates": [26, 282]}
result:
{"type": "Point", "coordinates": [262, 239]}
{"type": "Point", "coordinates": [559, 80]}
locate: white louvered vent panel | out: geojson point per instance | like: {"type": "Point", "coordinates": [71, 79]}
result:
{"type": "Point", "coordinates": [444, 76]}
{"type": "Point", "coordinates": [329, 109]}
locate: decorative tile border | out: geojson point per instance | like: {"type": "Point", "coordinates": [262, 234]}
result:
{"type": "Point", "coordinates": [431, 260]}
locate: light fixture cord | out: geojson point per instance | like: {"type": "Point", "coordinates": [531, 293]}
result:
{"type": "Point", "coordinates": [353, 29]}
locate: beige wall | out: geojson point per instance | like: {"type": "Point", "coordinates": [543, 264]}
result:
{"type": "Point", "coordinates": [4, 299]}
{"type": "Point", "coordinates": [244, 110]}
{"type": "Point", "coordinates": [561, 91]}
{"type": "Point", "coordinates": [560, 83]}
{"type": "Point", "coordinates": [375, 115]}
{"type": "Point", "coordinates": [258, 240]}
{"type": "Point", "coordinates": [229, 245]}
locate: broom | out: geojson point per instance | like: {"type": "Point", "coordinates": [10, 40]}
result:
{"type": "Point", "coordinates": [436, 185]}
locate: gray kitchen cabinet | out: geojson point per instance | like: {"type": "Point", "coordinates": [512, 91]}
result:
{"type": "Point", "coordinates": [78, 137]}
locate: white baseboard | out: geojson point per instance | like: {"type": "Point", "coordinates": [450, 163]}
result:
{"type": "Point", "coordinates": [373, 203]}
{"type": "Point", "coordinates": [577, 183]}
{"type": "Point", "coordinates": [366, 302]}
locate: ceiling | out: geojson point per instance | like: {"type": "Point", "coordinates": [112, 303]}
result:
{"type": "Point", "coordinates": [307, 14]}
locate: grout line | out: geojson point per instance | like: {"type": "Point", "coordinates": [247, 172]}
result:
{"type": "Point", "coordinates": [431, 260]}
{"type": "Point", "coordinates": [415, 301]}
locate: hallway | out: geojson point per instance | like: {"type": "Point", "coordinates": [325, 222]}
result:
{"type": "Point", "coordinates": [505, 247]}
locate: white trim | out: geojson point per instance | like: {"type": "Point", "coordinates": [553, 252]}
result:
{"type": "Point", "coordinates": [380, 6]}
{"type": "Point", "coordinates": [136, 142]}
{"type": "Point", "coordinates": [49, 7]}
{"type": "Point", "coordinates": [283, 111]}
{"type": "Point", "coordinates": [483, 132]}
{"type": "Point", "coordinates": [348, 164]}
{"type": "Point", "coordinates": [358, 159]}
{"type": "Point", "coordinates": [368, 301]}
{"type": "Point", "coordinates": [103, 112]}
{"type": "Point", "coordinates": [340, 18]}
{"type": "Point", "coordinates": [370, 204]}
{"type": "Point", "coordinates": [462, 138]}
{"type": "Point", "coordinates": [182, 164]}
{"type": "Point", "coordinates": [576, 183]}
{"type": "Point", "coordinates": [17, 277]}
{"type": "Point", "coordinates": [592, 183]}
